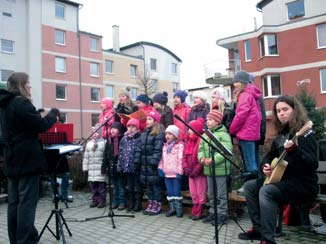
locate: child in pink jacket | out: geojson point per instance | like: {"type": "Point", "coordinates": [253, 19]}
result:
{"type": "Point", "coordinates": [170, 167]}
{"type": "Point", "coordinates": [194, 170]}
{"type": "Point", "coordinates": [106, 114]}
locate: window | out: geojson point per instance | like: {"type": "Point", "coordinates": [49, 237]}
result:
{"type": "Point", "coordinates": [323, 80]}
{"type": "Point", "coordinates": [95, 94]}
{"type": "Point", "coordinates": [108, 66]}
{"type": "Point", "coordinates": [268, 45]}
{"type": "Point", "coordinates": [7, 46]}
{"type": "Point", "coordinates": [174, 68]}
{"type": "Point", "coordinates": [60, 92]}
{"type": "Point", "coordinates": [6, 14]}
{"type": "Point", "coordinates": [247, 50]}
{"type": "Point", "coordinates": [295, 9]}
{"type": "Point", "coordinates": [94, 118]}
{"type": "Point", "coordinates": [60, 37]}
{"type": "Point", "coordinates": [93, 43]}
{"type": "Point", "coordinates": [95, 69]}
{"type": "Point", "coordinates": [4, 75]}
{"type": "Point", "coordinates": [153, 63]}
{"type": "Point", "coordinates": [109, 91]}
{"type": "Point", "coordinates": [271, 85]}
{"type": "Point", "coordinates": [60, 64]}
{"type": "Point", "coordinates": [133, 70]}
{"type": "Point", "coordinates": [321, 35]}
{"type": "Point", "coordinates": [59, 11]}
{"type": "Point", "coordinates": [174, 86]}
{"type": "Point", "coordinates": [154, 85]}
{"type": "Point", "coordinates": [133, 93]}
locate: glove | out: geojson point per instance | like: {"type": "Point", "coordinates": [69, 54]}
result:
{"type": "Point", "coordinates": [103, 169]}
{"type": "Point", "coordinates": [179, 177]}
{"type": "Point", "coordinates": [196, 171]}
{"type": "Point", "coordinates": [160, 173]}
{"type": "Point", "coordinates": [187, 171]}
{"type": "Point", "coordinates": [55, 112]}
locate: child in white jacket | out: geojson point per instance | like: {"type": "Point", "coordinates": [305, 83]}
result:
{"type": "Point", "coordinates": [170, 167]}
{"type": "Point", "coordinates": [92, 162]}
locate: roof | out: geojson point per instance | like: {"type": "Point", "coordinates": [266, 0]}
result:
{"type": "Point", "coordinates": [262, 4]}
{"type": "Point", "coordinates": [136, 44]}
{"type": "Point", "coordinates": [69, 2]}
{"type": "Point", "coordinates": [90, 34]}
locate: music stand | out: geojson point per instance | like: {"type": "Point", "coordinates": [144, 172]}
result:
{"type": "Point", "coordinates": [55, 153]}
{"type": "Point", "coordinates": [111, 213]}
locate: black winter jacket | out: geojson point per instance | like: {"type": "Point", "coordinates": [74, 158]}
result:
{"type": "Point", "coordinates": [299, 181]}
{"type": "Point", "coordinates": [148, 155]}
{"type": "Point", "coordinates": [24, 154]}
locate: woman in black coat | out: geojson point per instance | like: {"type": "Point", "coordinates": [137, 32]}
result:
{"type": "Point", "coordinates": [24, 159]}
{"type": "Point", "coordinates": [299, 182]}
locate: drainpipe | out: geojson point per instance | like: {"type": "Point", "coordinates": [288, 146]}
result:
{"type": "Point", "coordinates": [144, 70]}
{"type": "Point", "coordinates": [80, 76]}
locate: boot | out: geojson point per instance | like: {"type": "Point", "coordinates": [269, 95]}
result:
{"type": "Point", "coordinates": [156, 209]}
{"type": "Point", "coordinates": [197, 214]}
{"type": "Point", "coordinates": [149, 207]}
{"type": "Point", "coordinates": [138, 206]}
{"type": "Point", "coordinates": [178, 207]}
{"type": "Point", "coordinates": [131, 202]}
{"type": "Point", "coordinates": [171, 211]}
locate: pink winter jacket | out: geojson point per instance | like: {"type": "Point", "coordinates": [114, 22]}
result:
{"type": "Point", "coordinates": [183, 111]}
{"type": "Point", "coordinates": [171, 163]}
{"type": "Point", "coordinates": [247, 119]}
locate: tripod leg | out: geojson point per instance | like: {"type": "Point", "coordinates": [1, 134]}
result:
{"type": "Point", "coordinates": [59, 227]}
{"type": "Point", "coordinates": [65, 223]}
{"type": "Point", "coordinates": [46, 225]}
{"type": "Point", "coordinates": [111, 215]}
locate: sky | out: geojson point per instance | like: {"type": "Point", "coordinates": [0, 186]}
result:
{"type": "Point", "coordinates": [189, 29]}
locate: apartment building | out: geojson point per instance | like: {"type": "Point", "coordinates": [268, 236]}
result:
{"type": "Point", "coordinates": [160, 65]}
{"type": "Point", "coordinates": [68, 68]}
{"type": "Point", "coordinates": [287, 51]}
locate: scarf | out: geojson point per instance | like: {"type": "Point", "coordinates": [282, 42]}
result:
{"type": "Point", "coordinates": [94, 145]}
{"type": "Point", "coordinates": [170, 146]}
{"type": "Point", "coordinates": [190, 146]}
{"type": "Point", "coordinates": [115, 141]}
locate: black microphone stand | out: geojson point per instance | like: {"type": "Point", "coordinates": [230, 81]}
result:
{"type": "Point", "coordinates": [223, 151]}
{"type": "Point", "coordinates": [105, 123]}
{"type": "Point", "coordinates": [110, 214]}
{"type": "Point", "coordinates": [217, 146]}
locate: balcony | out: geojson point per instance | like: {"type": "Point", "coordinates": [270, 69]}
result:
{"type": "Point", "coordinates": [216, 74]}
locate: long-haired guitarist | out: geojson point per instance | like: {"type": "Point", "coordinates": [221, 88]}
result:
{"type": "Point", "coordinates": [295, 144]}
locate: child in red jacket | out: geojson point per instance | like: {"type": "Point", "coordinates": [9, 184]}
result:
{"type": "Point", "coordinates": [194, 170]}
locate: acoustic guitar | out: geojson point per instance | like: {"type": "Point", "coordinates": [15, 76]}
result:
{"type": "Point", "coordinates": [279, 165]}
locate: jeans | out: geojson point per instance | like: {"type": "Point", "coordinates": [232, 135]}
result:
{"type": "Point", "coordinates": [248, 150]}
{"type": "Point", "coordinates": [119, 190]}
{"type": "Point", "coordinates": [133, 182]}
{"type": "Point", "coordinates": [23, 192]}
{"type": "Point", "coordinates": [64, 185]}
{"type": "Point", "coordinates": [262, 206]}
{"type": "Point", "coordinates": [221, 195]}
{"type": "Point", "coordinates": [173, 187]}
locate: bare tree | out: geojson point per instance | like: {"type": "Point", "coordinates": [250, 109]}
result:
{"type": "Point", "coordinates": [144, 80]}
